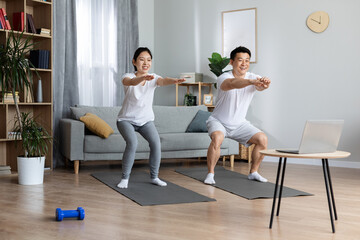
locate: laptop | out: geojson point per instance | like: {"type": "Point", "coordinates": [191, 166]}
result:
{"type": "Point", "coordinates": [319, 136]}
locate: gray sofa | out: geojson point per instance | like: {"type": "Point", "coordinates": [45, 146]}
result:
{"type": "Point", "coordinates": [79, 144]}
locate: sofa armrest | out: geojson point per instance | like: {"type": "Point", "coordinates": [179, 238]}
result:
{"type": "Point", "coordinates": [72, 133]}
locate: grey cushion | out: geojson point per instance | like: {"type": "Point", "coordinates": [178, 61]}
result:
{"type": "Point", "coordinates": [198, 124]}
{"type": "Point", "coordinates": [170, 119]}
{"type": "Point", "coordinates": [181, 141]}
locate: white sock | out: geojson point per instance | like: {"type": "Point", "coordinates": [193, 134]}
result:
{"type": "Point", "coordinates": [123, 183]}
{"type": "Point", "coordinates": [158, 182]}
{"type": "Point", "coordinates": [256, 176]}
{"type": "Point", "coordinates": [209, 179]}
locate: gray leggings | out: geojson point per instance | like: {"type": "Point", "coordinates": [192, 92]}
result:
{"type": "Point", "coordinates": [149, 132]}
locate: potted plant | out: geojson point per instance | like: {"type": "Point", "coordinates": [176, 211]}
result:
{"type": "Point", "coordinates": [189, 100]}
{"type": "Point", "coordinates": [217, 64]}
{"type": "Point", "coordinates": [34, 141]}
{"type": "Point", "coordinates": [16, 74]}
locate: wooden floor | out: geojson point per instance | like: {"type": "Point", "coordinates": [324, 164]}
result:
{"type": "Point", "coordinates": [28, 212]}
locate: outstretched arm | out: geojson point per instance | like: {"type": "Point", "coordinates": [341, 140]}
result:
{"type": "Point", "coordinates": [236, 83]}
{"type": "Point", "coordinates": [136, 80]}
{"type": "Point", "coordinates": [168, 81]}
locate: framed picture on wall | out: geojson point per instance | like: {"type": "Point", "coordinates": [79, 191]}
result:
{"type": "Point", "coordinates": [208, 99]}
{"type": "Point", "coordinates": [239, 29]}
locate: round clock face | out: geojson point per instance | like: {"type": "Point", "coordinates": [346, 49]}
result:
{"type": "Point", "coordinates": [318, 21]}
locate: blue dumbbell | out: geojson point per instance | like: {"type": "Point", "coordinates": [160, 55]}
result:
{"type": "Point", "coordinates": [79, 214]}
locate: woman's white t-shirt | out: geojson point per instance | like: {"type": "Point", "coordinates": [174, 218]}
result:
{"type": "Point", "coordinates": [138, 100]}
{"type": "Point", "coordinates": [231, 106]}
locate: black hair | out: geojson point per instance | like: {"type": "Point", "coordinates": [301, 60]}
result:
{"type": "Point", "coordinates": [138, 52]}
{"type": "Point", "coordinates": [240, 49]}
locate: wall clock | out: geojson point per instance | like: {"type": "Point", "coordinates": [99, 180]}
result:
{"type": "Point", "coordinates": [318, 21]}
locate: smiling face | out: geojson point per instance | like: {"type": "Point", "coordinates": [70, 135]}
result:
{"type": "Point", "coordinates": [241, 64]}
{"type": "Point", "coordinates": [143, 63]}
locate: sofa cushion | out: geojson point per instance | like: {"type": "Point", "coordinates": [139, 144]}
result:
{"type": "Point", "coordinates": [97, 125]}
{"type": "Point", "coordinates": [198, 124]}
{"type": "Point", "coordinates": [181, 141]}
{"type": "Point", "coordinates": [188, 141]}
{"type": "Point", "coordinates": [169, 119]}
{"type": "Point", "coordinates": [113, 144]}
{"type": "Point", "coordinates": [108, 114]}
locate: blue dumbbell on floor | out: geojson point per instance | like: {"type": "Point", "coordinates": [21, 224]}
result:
{"type": "Point", "coordinates": [79, 213]}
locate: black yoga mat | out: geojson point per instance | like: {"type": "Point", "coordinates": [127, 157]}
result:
{"type": "Point", "coordinates": [239, 184]}
{"type": "Point", "coordinates": [143, 192]}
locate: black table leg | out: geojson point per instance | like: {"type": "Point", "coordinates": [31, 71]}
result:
{"type": "Point", "coordinates": [331, 189]}
{"type": "Point", "coordinates": [275, 192]}
{"type": "Point", "coordinates": [328, 194]}
{"type": "Point", "coordinates": [281, 186]}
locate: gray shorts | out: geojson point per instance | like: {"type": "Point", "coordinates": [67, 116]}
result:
{"type": "Point", "coordinates": [242, 134]}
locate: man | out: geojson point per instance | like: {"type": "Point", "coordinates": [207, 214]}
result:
{"type": "Point", "coordinates": [235, 92]}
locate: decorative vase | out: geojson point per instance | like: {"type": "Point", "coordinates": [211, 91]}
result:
{"type": "Point", "coordinates": [39, 92]}
{"type": "Point", "coordinates": [30, 170]}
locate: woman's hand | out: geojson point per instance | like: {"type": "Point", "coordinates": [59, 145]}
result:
{"type": "Point", "coordinates": [147, 77]}
{"type": "Point", "coordinates": [169, 81]}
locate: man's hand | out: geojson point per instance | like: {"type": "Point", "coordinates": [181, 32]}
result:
{"type": "Point", "coordinates": [261, 83]}
{"type": "Point", "coordinates": [265, 82]}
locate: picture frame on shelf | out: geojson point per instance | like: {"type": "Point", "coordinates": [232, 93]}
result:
{"type": "Point", "coordinates": [208, 99]}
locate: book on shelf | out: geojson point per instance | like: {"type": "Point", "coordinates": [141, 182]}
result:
{"type": "Point", "coordinates": [43, 31]}
{"type": "Point", "coordinates": [5, 170]}
{"type": "Point", "coordinates": [18, 21]}
{"type": "Point", "coordinates": [2, 20]}
{"type": "Point", "coordinates": [40, 58]}
{"type": "Point", "coordinates": [8, 98]}
{"type": "Point", "coordinates": [30, 27]}
{"type": "Point", "coordinates": [7, 22]}
{"type": "Point", "coordinates": [14, 135]}
{"type": "Point", "coordinates": [1, 27]}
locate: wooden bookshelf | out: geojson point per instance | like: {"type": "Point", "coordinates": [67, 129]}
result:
{"type": "Point", "coordinates": [199, 86]}
{"type": "Point", "coordinates": [42, 12]}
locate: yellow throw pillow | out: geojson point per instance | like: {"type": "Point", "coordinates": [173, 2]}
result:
{"type": "Point", "coordinates": [97, 125]}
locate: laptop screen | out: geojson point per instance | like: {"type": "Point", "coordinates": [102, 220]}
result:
{"type": "Point", "coordinates": [321, 136]}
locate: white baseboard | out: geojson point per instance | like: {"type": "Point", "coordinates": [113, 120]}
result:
{"type": "Point", "coordinates": [317, 162]}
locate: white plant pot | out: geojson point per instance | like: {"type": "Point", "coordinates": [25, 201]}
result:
{"type": "Point", "coordinates": [30, 170]}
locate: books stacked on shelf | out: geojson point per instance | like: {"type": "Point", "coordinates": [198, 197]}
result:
{"type": "Point", "coordinates": [40, 58]}
{"type": "Point", "coordinates": [8, 97]}
{"type": "Point", "coordinates": [18, 21]}
{"type": "Point", "coordinates": [4, 19]}
{"type": "Point", "coordinates": [30, 27]}
{"type": "Point", "coordinates": [4, 170]}
{"type": "Point", "coordinates": [14, 135]}
{"type": "Point", "coordinates": [43, 31]}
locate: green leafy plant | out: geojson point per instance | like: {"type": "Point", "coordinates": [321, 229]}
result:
{"type": "Point", "coordinates": [217, 64]}
{"type": "Point", "coordinates": [34, 137]}
{"type": "Point", "coordinates": [16, 73]}
{"type": "Point", "coordinates": [189, 100]}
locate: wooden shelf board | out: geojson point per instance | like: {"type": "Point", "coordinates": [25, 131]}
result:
{"type": "Point", "coordinates": [41, 69]}
{"type": "Point", "coordinates": [29, 104]}
{"type": "Point", "coordinates": [38, 3]}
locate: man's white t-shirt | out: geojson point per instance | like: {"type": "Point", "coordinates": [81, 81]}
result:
{"type": "Point", "coordinates": [138, 100]}
{"type": "Point", "coordinates": [231, 106]}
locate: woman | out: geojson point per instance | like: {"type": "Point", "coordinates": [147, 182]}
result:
{"type": "Point", "coordinates": [137, 115]}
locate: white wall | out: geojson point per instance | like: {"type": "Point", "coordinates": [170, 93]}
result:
{"type": "Point", "coordinates": [314, 76]}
